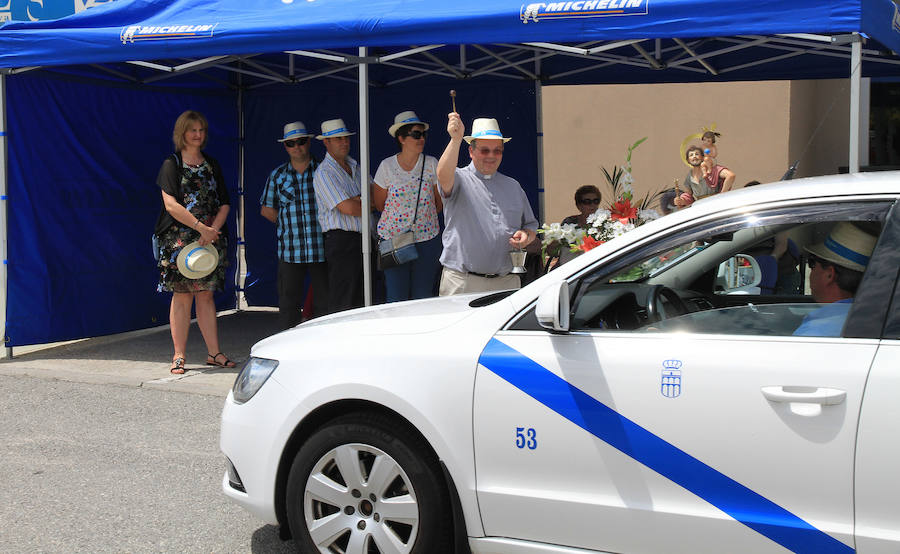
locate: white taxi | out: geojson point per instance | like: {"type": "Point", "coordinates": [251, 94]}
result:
{"type": "Point", "coordinates": [651, 395]}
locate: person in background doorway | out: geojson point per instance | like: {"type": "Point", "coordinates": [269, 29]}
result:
{"type": "Point", "coordinates": [289, 201]}
{"type": "Point", "coordinates": [587, 200]}
{"type": "Point", "coordinates": [195, 209]}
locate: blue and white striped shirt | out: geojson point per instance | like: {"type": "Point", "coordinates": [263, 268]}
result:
{"type": "Point", "coordinates": [291, 194]}
{"type": "Point", "coordinates": [333, 186]}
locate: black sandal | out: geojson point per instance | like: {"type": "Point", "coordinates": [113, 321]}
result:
{"type": "Point", "coordinates": [177, 366]}
{"type": "Point", "coordinates": [226, 364]}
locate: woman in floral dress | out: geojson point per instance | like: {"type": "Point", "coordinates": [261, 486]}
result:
{"type": "Point", "coordinates": [196, 206]}
{"type": "Point", "coordinates": [400, 180]}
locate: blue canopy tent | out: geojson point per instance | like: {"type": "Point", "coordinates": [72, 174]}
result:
{"type": "Point", "coordinates": [102, 86]}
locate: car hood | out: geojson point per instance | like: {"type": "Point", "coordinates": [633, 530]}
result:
{"type": "Point", "coordinates": [413, 317]}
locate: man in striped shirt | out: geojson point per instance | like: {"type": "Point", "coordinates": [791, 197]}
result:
{"type": "Point", "coordinates": [288, 200]}
{"type": "Point", "coordinates": [338, 194]}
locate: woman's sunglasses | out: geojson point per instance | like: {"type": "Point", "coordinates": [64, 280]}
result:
{"type": "Point", "coordinates": [417, 134]}
{"type": "Point", "coordinates": [594, 201]}
{"type": "Point", "coordinates": [300, 141]}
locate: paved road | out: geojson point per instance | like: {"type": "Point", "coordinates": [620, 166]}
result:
{"type": "Point", "coordinates": [101, 450]}
{"type": "Point", "coordinates": [110, 468]}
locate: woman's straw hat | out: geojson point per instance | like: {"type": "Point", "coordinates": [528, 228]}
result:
{"type": "Point", "coordinates": [195, 261]}
{"type": "Point", "coordinates": [405, 118]}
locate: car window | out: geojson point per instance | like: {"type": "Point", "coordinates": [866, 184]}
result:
{"type": "Point", "coordinates": [747, 274]}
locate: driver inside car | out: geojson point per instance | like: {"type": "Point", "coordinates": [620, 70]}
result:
{"type": "Point", "coordinates": [836, 269]}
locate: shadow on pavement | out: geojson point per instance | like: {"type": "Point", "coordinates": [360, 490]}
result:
{"type": "Point", "coordinates": [266, 540]}
{"type": "Point", "coordinates": [143, 358]}
{"type": "Point", "coordinates": [237, 333]}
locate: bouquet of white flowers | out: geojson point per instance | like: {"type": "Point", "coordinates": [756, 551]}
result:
{"type": "Point", "coordinates": [605, 225]}
{"type": "Point", "coordinates": [620, 216]}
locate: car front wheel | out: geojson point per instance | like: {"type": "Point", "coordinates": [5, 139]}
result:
{"type": "Point", "coordinates": [364, 484]}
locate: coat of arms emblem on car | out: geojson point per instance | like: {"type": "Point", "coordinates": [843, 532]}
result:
{"type": "Point", "coordinates": [671, 379]}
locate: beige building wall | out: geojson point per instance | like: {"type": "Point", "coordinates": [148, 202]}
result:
{"type": "Point", "coordinates": [765, 126]}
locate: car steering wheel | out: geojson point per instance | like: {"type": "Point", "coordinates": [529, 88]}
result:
{"type": "Point", "coordinates": [654, 306]}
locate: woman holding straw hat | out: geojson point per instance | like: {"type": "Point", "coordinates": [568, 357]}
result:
{"type": "Point", "coordinates": [406, 194]}
{"type": "Point", "coordinates": [192, 246]}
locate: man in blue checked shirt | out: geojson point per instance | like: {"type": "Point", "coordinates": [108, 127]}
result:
{"type": "Point", "coordinates": [288, 200]}
{"type": "Point", "coordinates": [338, 195]}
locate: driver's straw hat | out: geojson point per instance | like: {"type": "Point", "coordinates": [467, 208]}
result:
{"type": "Point", "coordinates": [847, 246]}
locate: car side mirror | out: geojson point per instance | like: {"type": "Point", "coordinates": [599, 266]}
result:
{"type": "Point", "coordinates": [552, 309]}
{"type": "Point", "coordinates": [739, 274]}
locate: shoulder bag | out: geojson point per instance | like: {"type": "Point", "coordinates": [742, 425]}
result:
{"type": "Point", "coordinates": [401, 248]}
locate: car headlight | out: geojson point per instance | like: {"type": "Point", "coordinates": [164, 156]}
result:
{"type": "Point", "coordinates": [252, 377]}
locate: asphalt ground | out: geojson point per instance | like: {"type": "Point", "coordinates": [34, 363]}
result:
{"type": "Point", "coordinates": [142, 358]}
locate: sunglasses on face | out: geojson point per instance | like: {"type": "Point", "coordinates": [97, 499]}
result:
{"type": "Point", "coordinates": [812, 261]}
{"type": "Point", "coordinates": [300, 141]}
{"type": "Point", "coordinates": [417, 134]}
{"type": "Point", "coordinates": [485, 151]}
{"type": "Point", "coordinates": [586, 201]}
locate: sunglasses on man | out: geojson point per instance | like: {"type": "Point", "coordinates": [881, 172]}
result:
{"type": "Point", "coordinates": [417, 134]}
{"type": "Point", "coordinates": [811, 262]}
{"type": "Point", "coordinates": [300, 141]}
{"type": "Point", "coordinates": [484, 151]}
{"type": "Point", "coordinates": [587, 201]}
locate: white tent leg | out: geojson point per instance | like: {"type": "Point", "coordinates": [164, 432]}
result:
{"type": "Point", "coordinates": [364, 174]}
{"type": "Point", "coordinates": [4, 189]}
{"type": "Point", "coordinates": [240, 216]}
{"type": "Point", "coordinates": [855, 78]}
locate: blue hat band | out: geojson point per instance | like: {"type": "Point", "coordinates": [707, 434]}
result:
{"type": "Point", "coordinates": [335, 131]}
{"type": "Point", "coordinates": [412, 120]}
{"type": "Point", "coordinates": [295, 132]}
{"type": "Point", "coordinates": [489, 132]}
{"type": "Point", "coordinates": [845, 252]}
{"type": "Point", "coordinates": [191, 253]}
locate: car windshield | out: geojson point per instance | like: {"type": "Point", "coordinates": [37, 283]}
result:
{"type": "Point", "coordinates": [657, 264]}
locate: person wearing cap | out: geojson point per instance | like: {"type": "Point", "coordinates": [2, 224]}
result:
{"type": "Point", "coordinates": [337, 183]}
{"type": "Point", "coordinates": [192, 242]}
{"type": "Point", "coordinates": [836, 269]}
{"type": "Point", "coordinates": [289, 201]}
{"type": "Point", "coordinates": [406, 195]}
{"type": "Point", "coordinates": [486, 212]}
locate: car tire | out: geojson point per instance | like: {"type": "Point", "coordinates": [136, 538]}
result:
{"type": "Point", "coordinates": [366, 483]}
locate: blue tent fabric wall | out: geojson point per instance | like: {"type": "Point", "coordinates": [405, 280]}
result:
{"type": "Point", "coordinates": [83, 202]}
{"type": "Point", "coordinates": [268, 109]}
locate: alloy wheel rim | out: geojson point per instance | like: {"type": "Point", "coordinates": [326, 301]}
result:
{"type": "Point", "coordinates": [359, 500]}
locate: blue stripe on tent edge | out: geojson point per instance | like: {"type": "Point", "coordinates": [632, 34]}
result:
{"type": "Point", "coordinates": [736, 500]}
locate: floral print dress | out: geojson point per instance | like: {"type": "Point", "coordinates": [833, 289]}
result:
{"type": "Point", "coordinates": [199, 196]}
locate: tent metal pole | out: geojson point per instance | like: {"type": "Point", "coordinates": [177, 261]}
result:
{"type": "Point", "coordinates": [539, 124]}
{"type": "Point", "coordinates": [364, 173]}
{"type": "Point", "coordinates": [240, 216]}
{"type": "Point", "coordinates": [4, 226]}
{"type": "Point", "coordinates": [855, 99]}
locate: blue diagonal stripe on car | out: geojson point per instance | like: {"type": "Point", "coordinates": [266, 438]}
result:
{"type": "Point", "coordinates": [746, 506]}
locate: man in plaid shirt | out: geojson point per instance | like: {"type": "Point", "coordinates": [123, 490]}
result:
{"type": "Point", "coordinates": [289, 201]}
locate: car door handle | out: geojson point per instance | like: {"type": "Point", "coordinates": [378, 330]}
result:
{"type": "Point", "coordinates": [807, 395]}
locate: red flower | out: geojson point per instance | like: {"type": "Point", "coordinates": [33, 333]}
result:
{"type": "Point", "coordinates": [623, 211]}
{"type": "Point", "coordinates": [590, 243]}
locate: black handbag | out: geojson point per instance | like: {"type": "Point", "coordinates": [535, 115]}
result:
{"type": "Point", "coordinates": [401, 248]}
